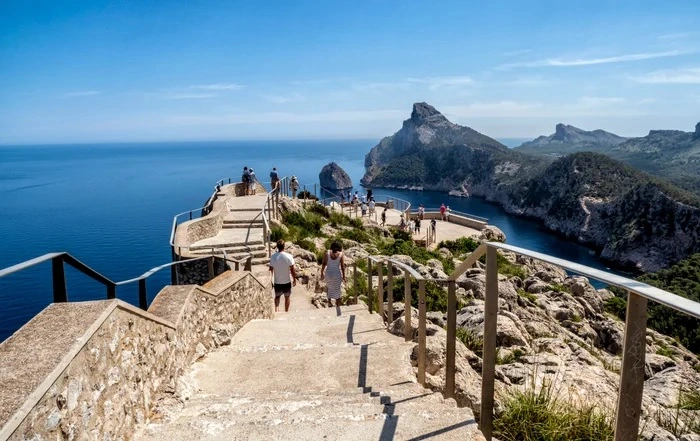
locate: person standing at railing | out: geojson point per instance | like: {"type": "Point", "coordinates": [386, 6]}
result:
{"type": "Point", "coordinates": [371, 206]}
{"type": "Point", "coordinates": [384, 217]}
{"type": "Point", "coordinates": [447, 213]}
{"type": "Point", "coordinates": [245, 179]}
{"type": "Point", "coordinates": [294, 185]}
{"type": "Point", "coordinates": [442, 212]}
{"type": "Point", "coordinates": [253, 182]}
{"type": "Point", "coordinates": [333, 271]}
{"type": "Point", "coordinates": [284, 276]}
{"type": "Point", "coordinates": [274, 179]}
{"type": "Point", "coordinates": [421, 211]}
{"type": "Point", "coordinates": [364, 209]}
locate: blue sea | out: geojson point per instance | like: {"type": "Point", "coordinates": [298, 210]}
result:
{"type": "Point", "coordinates": [112, 205]}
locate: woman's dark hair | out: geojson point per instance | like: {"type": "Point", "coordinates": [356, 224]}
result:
{"type": "Point", "coordinates": [336, 245]}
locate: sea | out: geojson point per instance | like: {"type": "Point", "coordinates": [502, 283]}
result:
{"type": "Point", "coordinates": [112, 205]}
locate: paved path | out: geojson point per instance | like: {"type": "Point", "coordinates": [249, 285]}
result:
{"type": "Point", "coordinates": [313, 374]}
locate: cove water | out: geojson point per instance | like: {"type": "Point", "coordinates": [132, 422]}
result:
{"type": "Point", "coordinates": [111, 206]}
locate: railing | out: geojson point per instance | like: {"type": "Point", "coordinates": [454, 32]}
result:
{"type": "Point", "coordinates": [629, 403]}
{"type": "Point", "coordinates": [58, 261]}
{"type": "Point", "coordinates": [433, 210]}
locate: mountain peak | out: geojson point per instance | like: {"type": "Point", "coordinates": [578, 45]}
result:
{"type": "Point", "coordinates": [563, 131]}
{"type": "Point", "coordinates": [423, 112]}
{"type": "Point", "coordinates": [697, 131]}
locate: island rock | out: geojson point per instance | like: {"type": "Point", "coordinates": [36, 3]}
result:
{"type": "Point", "coordinates": [333, 177]}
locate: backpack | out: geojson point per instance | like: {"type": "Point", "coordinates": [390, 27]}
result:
{"type": "Point", "coordinates": [246, 177]}
{"type": "Point", "coordinates": [273, 175]}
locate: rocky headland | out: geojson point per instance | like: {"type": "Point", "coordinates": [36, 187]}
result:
{"type": "Point", "coordinates": [333, 177]}
{"type": "Point", "coordinates": [556, 333]}
{"type": "Point", "coordinates": [632, 219]}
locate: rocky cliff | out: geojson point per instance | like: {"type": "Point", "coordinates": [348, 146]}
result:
{"type": "Point", "coordinates": [333, 177]}
{"type": "Point", "coordinates": [631, 218]}
{"type": "Point", "coordinates": [568, 139]}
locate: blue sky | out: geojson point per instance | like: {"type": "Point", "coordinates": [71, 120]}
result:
{"type": "Point", "coordinates": [216, 70]}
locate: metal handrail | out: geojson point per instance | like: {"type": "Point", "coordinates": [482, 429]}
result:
{"type": "Point", "coordinates": [451, 213]}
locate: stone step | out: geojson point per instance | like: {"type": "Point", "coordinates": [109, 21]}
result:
{"type": "Point", "coordinates": [242, 221]}
{"type": "Point", "coordinates": [317, 417]}
{"type": "Point", "coordinates": [226, 244]}
{"type": "Point", "coordinates": [247, 225]}
{"type": "Point", "coordinates": [236, 251]}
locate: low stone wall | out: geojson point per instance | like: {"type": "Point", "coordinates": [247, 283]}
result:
{"type": "Point", "coordinates": [196, 272]}
{"type": "Point", "coordinates": [204, 227]}
{"type": "Point", "coordinates": [456, 219]}
{"type": "Point", "coordinates": [98, 367]}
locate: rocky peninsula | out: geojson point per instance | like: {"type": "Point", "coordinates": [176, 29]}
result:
{"type": "Point", "coordinates": [631, 218]}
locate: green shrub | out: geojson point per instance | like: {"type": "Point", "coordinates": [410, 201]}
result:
{"type": "Point", "coordinates": [471, 340]}
{"type": "Point", "coordinates": [435, 295]}
{"type": "Point", "coordinates": [361, 287]}
{"type": "Point", "coordinates": [306, 194]}
{"type": "Point", "coordinates": [537, 415]}
{"type": "Point", "coordinates": [617, 306]}
{"type": "Point", "coordinates": [558, 287]}
{"type": "Point", "coordinates": [460, 246]}
{"type": "Point", "coordinates": [690, 400]}
{"type": "Point", "coordinates": [666, 352]}
{"type": "Point", "coordinates": [358, 235]}
{"type": "Point", "coordinates": [401, 235]}
{"type": "Point", "coordinates": [527, 295]}
{"type": "Point", "coordinates": [319, 209]}
{"type": "Point", "coordinates": [277, 233]}
{"type": "Point", "coordinates": [307, 245]}
{"type": "Point", "coordinates": [337, 219]}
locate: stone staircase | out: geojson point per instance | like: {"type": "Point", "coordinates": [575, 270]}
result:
{"type": "Point", "coordinates": [312, 374]}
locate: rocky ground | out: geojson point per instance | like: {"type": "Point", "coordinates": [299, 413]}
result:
{"type": "Point", "coordinates": [553, 332]}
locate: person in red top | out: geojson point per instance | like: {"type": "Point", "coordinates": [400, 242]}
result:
{"type": "Point", "coordinates": [442, 211]}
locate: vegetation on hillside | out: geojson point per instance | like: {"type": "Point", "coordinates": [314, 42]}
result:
{"type": "Point", "coordinates": [682, 279]}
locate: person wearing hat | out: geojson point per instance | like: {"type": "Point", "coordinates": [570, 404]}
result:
{"type": "Point", "coordinates": [294, 184]}
{"type": "Point", "coordinates": [253, 181]}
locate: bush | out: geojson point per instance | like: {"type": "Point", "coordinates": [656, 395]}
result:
{"type": "Point", "coordinates": [537, 415]}
{"type": "Point", "coordinates": [306, 194]}
{"type": "Point", "coordinates": [460, 246]}
{"type": "Point", "coordinates": [401, 235]}
{"type": "Point", "coordinates": [617, 306]}
{"type": "Point", "coordinates": [526, 295]}
{"type": "Point", "coordinates": [435, 295]}
{"type": "Point", "coordinates": [471, 340]}
{"type": "Point", "coordinates": [307, 245]}
{"type": "Point", "coordinates": [319, 209]}
{"type": "Point", "coordinates": [337, 218]}
{"type": "Point", "coordinates": [277, 233]}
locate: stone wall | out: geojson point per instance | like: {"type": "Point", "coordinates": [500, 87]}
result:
{"type": "Point", "coordinates": [204, 227]}
{"type": "Point", "coordinates": [196, 272]}
{"type": "Point", "coordinates": [456, 219]}
{"type": "Point", "coordinates": [109, 380]}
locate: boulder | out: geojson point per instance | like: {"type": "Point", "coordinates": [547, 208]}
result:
{"type": "Point", "coordinates": [492, 233]}
{"type": "Point", "coordinates": [333, 177]}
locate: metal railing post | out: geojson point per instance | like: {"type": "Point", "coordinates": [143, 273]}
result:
{"type": "Point", "coordinates": [389, 293]}
{"type": "Point", "coordinates": [315, 192]}
{"type": "Point", "coordinates": [451, 342]}
{"type": "Point", "coordinates": [407, 331]}
{"type": "Point", "coordinates": [111, 291]}
{"type": "Point", "coordinates": [355, 281]}
{"type": "Point", "coordinates": [488, 371]}
{"type": "Point", "coordinates": [236, 266]}
{"type": "Point", "coordinates": [59, 280]}
{"type": "Point", "coordinates": [143, 298]}
{"type": "Point", "coordinates": [248, 264]}
{"type": "Point", "coordinates": [380, 288]}
{"type": "Point", "coordinates": [629, 399]}
{"type": "Point", "coordinates": [421, 331]}
{"type": "Point", "coordinates": [210, 267]}
{"type": "Point", "coordinates": [370, 293]}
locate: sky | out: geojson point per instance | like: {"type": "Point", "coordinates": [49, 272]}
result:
{"type": "Point", "coordinates": [114, 71]}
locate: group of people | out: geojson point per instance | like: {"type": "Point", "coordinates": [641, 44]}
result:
{"type": "Point", "coordinates": [250, 180]}
{"type": "Point", "coordinates": [284, 276]}
{"type": "Point", "coordinates": [365, 201]}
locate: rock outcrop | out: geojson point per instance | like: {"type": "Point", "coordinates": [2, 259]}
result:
{"type": "Point", "coordinates": [630, 217]}
{"type": "Point", "coordinates": [567, 139]}
{"type": "Point", "coordinates": [333, 177]}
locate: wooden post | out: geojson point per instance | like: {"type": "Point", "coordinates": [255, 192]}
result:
{"type": "Point", "coordinates": [210, 267]}
{"type": "Point", "coordinates": [389, 293]}
{"type": "Point", "coordinates": [421, 331]}
{"type": "Point", "coordinates": [143, 298]}
{"type": "Point", "coordinates": [355, 282]}
{"type": "Point", "coordinates": [370, 293]}
{"type": "Point", "coordinates": [59, 280]}
{"type": "Point", "coordinates": [451, 345]}
{"type": "Point", "coordinates": [629, 399]}
{"type": "Point", "coordinates": [407, 331]}
{"type": "Point", "coordinates": [380, 288]}
{"type": "Point", "coordinates": [111, 291]}
{"type": "Point", "coordinates": [315, 191]}
{"type": "Point", "coordinates": [488, 370]}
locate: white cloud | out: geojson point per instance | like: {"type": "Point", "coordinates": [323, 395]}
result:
{"type": "Point", "coordinates": [676, 36]}
{"type": "Point", "coordinates": [294, 97]}
{"type": "Point", "coordinates": [218, 86]}
{"type": "Point", "coordinates": [672, 76]}
{"type": "Point", "coordinates": [188, 96]}
{"type": "Point", "coordinates": [561, 62]}
{"type": "Point", "coordinates": [440, 82]}
{"type": "Point", "coordinates": [81, 93]}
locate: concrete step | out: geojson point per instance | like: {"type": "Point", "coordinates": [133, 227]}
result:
{"type": "Point", "coordinates": [246, 226]}
{"type": "Point", "coordinates": [226, 244]}
{"type": "Point", "coordinates": [317, 417]}
{"type": "Point", "coordinates": [243, 221]}
{"type": "Point", "coordinates": [237, 251]}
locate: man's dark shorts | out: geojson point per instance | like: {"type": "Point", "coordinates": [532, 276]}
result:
{"type": "Point", "coordinates": [283, 289]}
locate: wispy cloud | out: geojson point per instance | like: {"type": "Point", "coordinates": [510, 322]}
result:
{"type": "Point", "coordinates": [516, 53]}
{"type": "Point", "coordinates": [434, 83]}
{"type": "Point", "coordinates": [381, 85]}
{"type": "Point", "coordinates": [671, 76]}
{"type": "Point", "coordinates": [573, 62]}
{"type": "Point", "coordinates": [218, 86]}
{"type": "Point", "coordinates": [676, 36]}
{"type": "Point", "coordinates": [188, 96]}
{"type": "Point", "coordinates": [81, 93]}
{"type": "Point", "coordinates": [290, 117]}
{"type": "Point", "coordinates": [293, 97]}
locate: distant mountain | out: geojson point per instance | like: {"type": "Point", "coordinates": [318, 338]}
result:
{"type": "Point", "coordinates": [568, 139]}
{"type": "Point", "coordinates": [672, 154]}
{"type": "Point", "coordinates": [630, 217]}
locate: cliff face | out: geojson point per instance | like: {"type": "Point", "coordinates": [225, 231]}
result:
{"type": "Point", "coordinates": [630, 217]}
{"type": "Point", "coordinates": [333, 177]}
{"type": "Point", "coordinates": [567, 139]}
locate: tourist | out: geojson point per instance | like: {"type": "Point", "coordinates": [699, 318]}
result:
{"type": "Point", "coordinates": [442, 212]}
{"type": "Point", "coordinates": [447, 213]}
{"type": "Point", "coordinates": [363, 198]}
{"type": "Point", "coordinates": [364, 209]}
{"type": "Point", "coordinates": [274, 179]}
{"type": "Point", "coordinates": [369, 193]}
{"type": "Point", "coordinates": [433, 225]}
{"type": "Point", "coordinates": [245, 179]}
{"type": "Point", "coordinates": [384, 217]}
{"type": "Point", "coordinates": [333, 271]}
{"type": "Point", "coordinates": [281, 266]}
{"type": "Point", "coordinates": [294, 185]}
{"type": "Point", "coordinates": [417, 225]}
{"type": "Point", "coordinates": [342, 198]}
{"type": "Point", "coordinates": [371, 206]}
{"type": "Point", "coordinates": [253, 181]}
{"type": "Point", "coordinates": [402, 224]}
{"type": "Point", "coordinates": [421, 211]}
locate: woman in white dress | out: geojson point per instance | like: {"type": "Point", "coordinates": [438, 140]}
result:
{"type": "Point", "coordinates": [333, 271]}
{"type": "Point", "coordinates": [253, 181]}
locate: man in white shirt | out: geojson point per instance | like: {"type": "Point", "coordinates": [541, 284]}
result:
{"type": "Point", "coordinates": [281, 266]}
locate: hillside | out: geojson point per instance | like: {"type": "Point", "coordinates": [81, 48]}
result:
{"type": "Point", "coordinates": [631, 218]}
{"type": "Point", "coordinates": [568, 139]}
